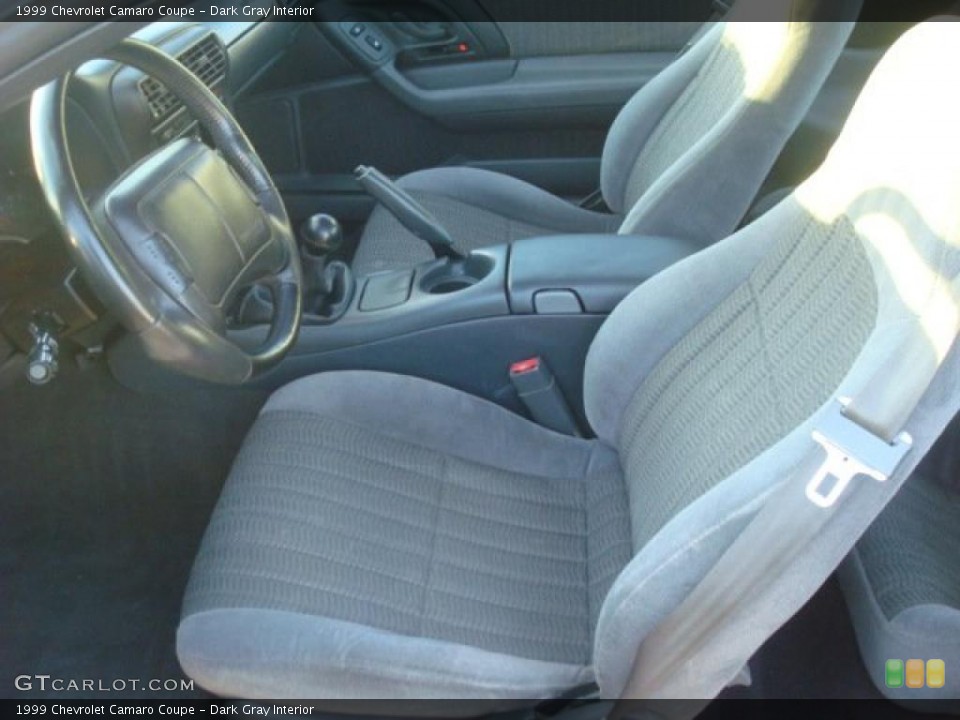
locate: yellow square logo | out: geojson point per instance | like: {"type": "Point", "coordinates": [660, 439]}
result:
{"type": "Point", "coordinates": [936, 673]}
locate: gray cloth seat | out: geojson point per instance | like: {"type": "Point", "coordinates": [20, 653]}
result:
{"type": "Point", "coordinates": [902, 584]}
{"type": "Point", "coordinates": [501, 560]}
{"type": "Point", "coordinates": [724, 109]}
{"type": "Point", "coordinates": [384, 536]}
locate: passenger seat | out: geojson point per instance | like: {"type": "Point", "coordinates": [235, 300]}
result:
{"type": "Point", "coordinates": [902, 584]}
{"type": "Point", "coordinates": [684, 158]}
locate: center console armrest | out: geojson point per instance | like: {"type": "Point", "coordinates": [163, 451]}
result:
{"type": "Point", "coordinates": [556, 273]}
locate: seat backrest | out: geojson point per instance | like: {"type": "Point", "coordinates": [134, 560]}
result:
{"type": "Point", "coordinates": [710, 377]}
{"type": "Point", "coordinates": [687, 155]}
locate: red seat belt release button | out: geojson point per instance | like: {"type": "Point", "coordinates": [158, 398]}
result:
{"type": "Point", "coordinates": [540, 394]}
{"type": "Point", "coordinates": [522, 367]}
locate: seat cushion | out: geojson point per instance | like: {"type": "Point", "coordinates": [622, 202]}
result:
{"type": "Point", "coordinates": [479, 209]}
{"type": "Point", "coordinates": [902, 583]}
{"type": "Point", "coordinates": [364, 547]}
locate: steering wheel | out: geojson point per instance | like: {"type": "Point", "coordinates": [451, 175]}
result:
{"type": "Point", "coordinates": [171, 244]}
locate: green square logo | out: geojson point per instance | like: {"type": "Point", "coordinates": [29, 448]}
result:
{"type": "Point", "coordinates": [894, 673]}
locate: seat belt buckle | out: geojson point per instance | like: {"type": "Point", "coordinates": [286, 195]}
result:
{"type": "Point", "coordinates": [852, 450]}
{"type": "Point", "coordinates": [540, 394]}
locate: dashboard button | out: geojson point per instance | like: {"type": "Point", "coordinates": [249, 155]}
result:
{"type": "Point", "coordinates": [374, 42]}
{"type": "Point", "coordinates": [357, 29]}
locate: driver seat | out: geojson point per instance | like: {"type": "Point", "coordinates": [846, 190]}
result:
{"type": "Point", "coordinates": [383, 536]}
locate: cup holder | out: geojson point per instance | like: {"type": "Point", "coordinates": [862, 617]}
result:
{"type": "Point", "coordinates": [445, 287]}
{"type": "Point", "coordinates": [456, 275]}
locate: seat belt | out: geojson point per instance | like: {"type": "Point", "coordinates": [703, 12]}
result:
{"type": "Point", "coordinates": [697, 649]}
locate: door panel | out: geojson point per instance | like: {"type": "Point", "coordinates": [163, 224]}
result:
{"type": "Point", "coordinates": [535, 39]}
{"type": "Point", "coordinates": [588, 17]}
{"type": "Point", "coordinates": [451, 84]}
{"type": "Point", "coordinates": [555, 90]}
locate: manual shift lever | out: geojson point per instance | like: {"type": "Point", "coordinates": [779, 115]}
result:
{"type": "Point", "coordinates": [328, 285]}
{"type": "Point", "coordinates": [321, 235]}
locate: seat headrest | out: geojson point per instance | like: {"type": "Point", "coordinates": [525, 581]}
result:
{"type": "Point", "coordinates": [894, 175]}
{"type": "Point", "coordinates": [901, 135]}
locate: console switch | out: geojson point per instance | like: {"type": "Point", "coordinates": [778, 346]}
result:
{"type": "Point", "coordinates": [556, 302]}
{"type": "Point", "coordinates": [372, 44]}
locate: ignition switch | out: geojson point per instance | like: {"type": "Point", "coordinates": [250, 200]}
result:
{"type": "Point", "coordinates": [43, 361]}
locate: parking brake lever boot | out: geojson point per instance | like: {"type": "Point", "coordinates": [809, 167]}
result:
{"type": "Point", "coordinates": [411, 214]}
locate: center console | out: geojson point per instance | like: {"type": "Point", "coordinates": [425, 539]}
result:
{"type": "Point", "coordinates": [560, 275]}
{"type": "Point", "coordinates": [570, 274]}
{"type": "Point", "coordinates": [463, 321]}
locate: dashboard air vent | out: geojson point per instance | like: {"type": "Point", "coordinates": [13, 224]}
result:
{"type": "Point", "coordinates": [206, 59]}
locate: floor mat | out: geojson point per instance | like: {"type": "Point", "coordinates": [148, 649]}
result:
{"type": "Point", "coordinates": [104, 495]}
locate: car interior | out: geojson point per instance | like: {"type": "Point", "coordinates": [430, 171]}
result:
{"type": "Point", "coordinates": [514, 354]}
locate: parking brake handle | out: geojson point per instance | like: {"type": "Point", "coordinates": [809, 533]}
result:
{"type": "Point", "coordinates": [411, 214]}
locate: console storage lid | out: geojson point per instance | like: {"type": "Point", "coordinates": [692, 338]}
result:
{"type": "Point", "coordinates": [586, 273]}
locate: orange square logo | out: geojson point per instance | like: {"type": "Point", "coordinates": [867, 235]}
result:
{"type": "Point", "coordinates": [914, 673]}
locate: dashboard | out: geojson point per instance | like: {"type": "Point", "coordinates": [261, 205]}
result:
{"type": "Point", "coordinates": [115, 116]}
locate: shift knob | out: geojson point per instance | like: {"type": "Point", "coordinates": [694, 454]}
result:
{"type": "Point", "coordinates": [321, 234]}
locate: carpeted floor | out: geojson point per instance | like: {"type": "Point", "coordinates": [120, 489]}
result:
{"type": "Point", "coordinates": [105, 493]}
